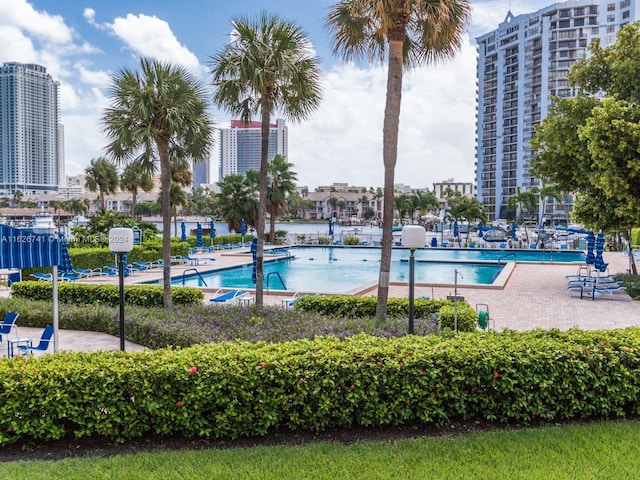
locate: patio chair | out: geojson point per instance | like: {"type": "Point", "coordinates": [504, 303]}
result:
{"type": "Point", "coordinates": [44, 277]}
{"type": "Point", "coordinates": [8, 323]}
{"type": "Point", "coordinates": [45, 339]}
{"type": "Point", "coordinates": [608, 289]}
{"type": "Point", "coordinates": [288, 303]}
{"type": "Point", "coordinates": [228, 296]}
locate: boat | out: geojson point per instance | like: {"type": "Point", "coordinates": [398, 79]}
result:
{"type": "Point", "coordinates": [43, 223]}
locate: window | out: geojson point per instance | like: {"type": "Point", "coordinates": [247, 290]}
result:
{"type": "Point", "coordinates": [611, 7]}
{"type": "Point", "coordinates": [611, 29]}
{"type": "Point", "coordinates": [625, 14]}
{"type": "Point", "coordinates": [611, 18]}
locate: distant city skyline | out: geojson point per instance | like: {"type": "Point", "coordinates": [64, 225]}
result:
{"type": "Point", "coordinates": [83, 43]}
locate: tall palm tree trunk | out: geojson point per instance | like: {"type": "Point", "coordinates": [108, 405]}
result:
{"type": "Point", "coordinates": [262, 200]}
{"type": "Point", "coordinates": [389, 156]}
{"type": "Point", "coordinates": [165, 181]}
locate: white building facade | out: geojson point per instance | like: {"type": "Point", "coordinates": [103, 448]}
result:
{"type": "Point", "coordinates": [520, 66]}
{"type": "Point", "coordinates": [241, 146]}
{"type": "Point", "coordinates": [31, 147]}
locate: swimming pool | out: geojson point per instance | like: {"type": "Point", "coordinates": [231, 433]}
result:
{"type": "Point", "coordinates": [344, 269]}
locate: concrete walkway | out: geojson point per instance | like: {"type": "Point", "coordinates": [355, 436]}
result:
{"type": "Point", "coordinates": [534, 296]}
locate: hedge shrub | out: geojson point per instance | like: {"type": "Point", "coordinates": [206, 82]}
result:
{"type": "Point", "coordinates": [248, 389]}
{"type": "Point", "coordinates": [356, 306]}
{"type": "Point", "coordinates": [84, 293]}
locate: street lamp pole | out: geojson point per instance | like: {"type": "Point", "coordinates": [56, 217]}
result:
{"type": "Point", "coordinates": [121, 242]}
{"type": "Point", "coordinates": [413, 237]}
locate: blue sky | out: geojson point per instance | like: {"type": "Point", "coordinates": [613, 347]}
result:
{"type": "Point", "coordinates": [83, 42]}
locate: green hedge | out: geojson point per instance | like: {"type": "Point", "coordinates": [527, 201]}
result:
{"type": "Point", "coordinates": [359, 307]}
{"type": "Point", "coordinates": [85, 293]}
{"type": "Point", "coordinates": [241, 389]}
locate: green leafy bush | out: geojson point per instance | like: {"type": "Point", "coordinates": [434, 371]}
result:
{"type": "Point", "coordinates": [632, 284]}
{"type": "Point", "coordinates": [463, 315]}
{"type": "Point", "coordinates": [85, 293]}
{"type": "Point", "coordinates": [354, 306]}
{"type": "Point", "coordinates": [351, 240]}
{"type": "Point", "coordinates": [246, 389]}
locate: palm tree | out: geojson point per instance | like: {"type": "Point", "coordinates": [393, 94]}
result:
{"type": "Point", "coordinates": [101, 176]}
{"type": "Point", "coordinates": [280, 187]}
{"type": "Point", "coordinates": [524, 200]}
{"type": "Point", "coordinates": [543, 192]}
{"type": "Point", "coordinates": [158, 114]}
{"type": "Point", "coordinates": [135, 177]}
{"type": "Point", "coordinates": [17, 198]}
{"type": "Point", "coordinates": [177, 197]}
{"type": "Point", "coordinates": [237, 199]}
{"type": "Point", "coordinates": [268, 67]}
{"type": "Point", "coordinates": [411, 32]}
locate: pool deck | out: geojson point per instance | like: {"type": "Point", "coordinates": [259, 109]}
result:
{"type": "Point", "coordinates": [533, 296]}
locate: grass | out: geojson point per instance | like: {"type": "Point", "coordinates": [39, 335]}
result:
{"type": "Point", "coordinates": [603, 450]}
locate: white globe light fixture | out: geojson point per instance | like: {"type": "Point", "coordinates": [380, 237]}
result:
{"type": "Point", "coordinates": [121, 242]}
{"type": "Point", "coordinates": [413, 237]}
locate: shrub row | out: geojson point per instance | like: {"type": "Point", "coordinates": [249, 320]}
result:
{"type": "Point", "coordinates": [85, 293]}
{"type": "Point", "coordinates": [246, 389]}
{"type": "Point", "coordinates": [356, 306]}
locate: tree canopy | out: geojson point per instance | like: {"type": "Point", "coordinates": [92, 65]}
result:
{"type": "Point", "coordinates": [590, 144]}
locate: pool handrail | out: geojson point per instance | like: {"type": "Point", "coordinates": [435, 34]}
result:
{"type": "Point", "coordinates": [197, 273]}
{"type": "Point", "coordinates": [277, 274]}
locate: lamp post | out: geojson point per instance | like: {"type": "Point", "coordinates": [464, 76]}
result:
{"type": "Point", "coordinates": [121, 242]}
{"type": "Point", "coordinates": [413, 236]}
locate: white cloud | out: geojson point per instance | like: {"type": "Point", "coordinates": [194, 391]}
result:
{"type": "Point", "coordinates": [152, 37]}
{"type": "Point", "coordinates": [48, 28]}
{"type": "Point", "coordinates": [342, 141]}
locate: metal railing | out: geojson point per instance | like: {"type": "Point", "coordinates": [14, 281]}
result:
{"type": "Point", "coordinates": [197, 273]}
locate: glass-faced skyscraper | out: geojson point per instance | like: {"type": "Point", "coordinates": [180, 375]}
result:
{"type": "Point", "coordinates": [241, 146]}
{"type": "Point", "coordinates": [520, 66]}
{"type": "Point", "coordinates": [30, 140]}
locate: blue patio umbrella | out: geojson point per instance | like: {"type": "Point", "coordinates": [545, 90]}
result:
{"type": "Point", "coordinates": [330, 227]}
{"type": "Point", "coordinates": [254, 254]}
{"type": "Point", "coordinates": [183, 228]}
{"type": "Point", "coordinates": [514, 227]}
{"type": "Point", "coordinates": [243, 227]}
{"type": "Point", "coordinates": [591, 239]}
{"type": "Point", "coordinates": [212, 231]}
{"type": "Point", "coordinates": [455, 229]}
{"type": "Point", "coordinates": [480, 229]}
{"type": "Point", "coordinates": [199, 240]}
{"type": "Point", "coordinates": [65, 266]}
{"type": "Point", "coordinates": [599, 246]}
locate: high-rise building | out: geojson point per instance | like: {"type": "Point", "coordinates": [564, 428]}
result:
{"type": "Point", "coordinates": [241, 146]}
{"type": "Point", "coordinates": [520, 66]}
{"type": "Point", "coordinates": [30, 133]}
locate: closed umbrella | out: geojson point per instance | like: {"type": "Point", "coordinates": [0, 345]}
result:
{"type": "Point", "coordinates": [591, 239]}
{"type": "Point", "coordinates": [212, 231]}
{"type": "Point", "coordinates": [243, 230]}
{"type": "Point", "coordinates": [330, 227]}
{"type": "Point", "coordinates": [199, 240]}
{"type": "Point", "coordinates": [480, 229]}
{"type": "Point", "coordinates": [599, 246]}
{"type": "Point", "coordinates": [65, 266]}
{"type": "Point", "coordinates": [455, 229]}
{"type": "Point", "coordinates": [183, 228]}
{"type": "Point", "coordinates": [514, 227]}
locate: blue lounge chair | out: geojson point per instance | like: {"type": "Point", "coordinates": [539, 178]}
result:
{"type": "Point", "coordinates": [42, 276]}
{"type": "Point", "coordinates": [43, 345]}
{"type": "Point", "coordinates": [8, 323]}
{"type": "Point", "coordinates": [228, 296]}
{"type": "Point", "coordinates": [608, 289]}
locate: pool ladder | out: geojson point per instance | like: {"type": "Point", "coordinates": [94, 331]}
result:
{"type": "Point", "coordinates": [197, 273]}
{"type": "Point", "coordinates": [277, 274]}
{"type": "Point", "coordinates": [510, 254]}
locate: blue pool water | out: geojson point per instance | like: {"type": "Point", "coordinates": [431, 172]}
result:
{"type": "Point", "coordinates": [340, 270]}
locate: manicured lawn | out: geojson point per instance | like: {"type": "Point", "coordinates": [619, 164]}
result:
{"type": "Point", "coordinates": [603, 450]}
